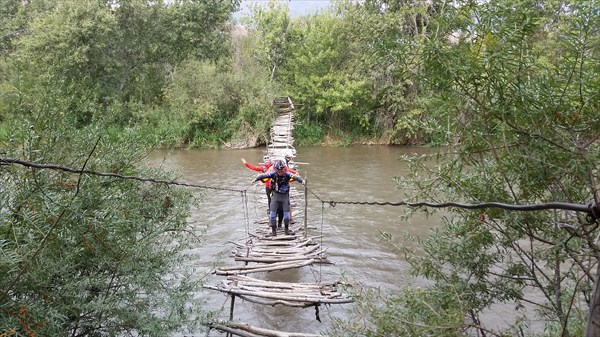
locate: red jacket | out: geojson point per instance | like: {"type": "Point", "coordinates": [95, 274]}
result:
{"type": "Point", "coordinates": [262, 169]}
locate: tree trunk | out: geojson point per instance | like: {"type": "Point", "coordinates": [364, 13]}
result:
{"type": "Point", "coordinates": [593, 325]}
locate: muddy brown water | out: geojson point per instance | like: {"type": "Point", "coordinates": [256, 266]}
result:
{"type": "Point", "coordinates": [350, 233]}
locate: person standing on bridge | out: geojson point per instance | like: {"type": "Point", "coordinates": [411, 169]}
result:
{"type": "Point", "coordinates": [288, 157]}
{"type": "Point", "coordinates": [281, 194]}
{"type": "Point", "coordinates": [267, 165]}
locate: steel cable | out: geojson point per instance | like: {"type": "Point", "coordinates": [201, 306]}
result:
{"type": "Point", "coordinates": [592, 210]}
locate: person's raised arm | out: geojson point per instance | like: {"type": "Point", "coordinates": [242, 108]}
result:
{"type": "Point", "coordinates": [252, 167]}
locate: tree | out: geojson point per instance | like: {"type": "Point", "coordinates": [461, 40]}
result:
{"type": "Point", "coordinates": [520, 81]}
{"type": "Point", "coordinates": [271, 25]}
{"type": "Point", "coordinates": [317, 74]}
{"type": "Point", "coordinates": [214, 105]}
{"type": "Point", "coordinates": [84, 255]}
{"type": "Point", "coordinates": [120, 51]}
{"type": "Point", "coordinates": [386, 39]}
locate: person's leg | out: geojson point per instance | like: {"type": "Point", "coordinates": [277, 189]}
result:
{"type": "Point", "coordinates": [286, 215]}
{"type": "Point", "coordinates": [273, 216]}
{"type": "Point", "coordinates": [279, 215]}
{"type": "Point", "coordinates": [268, 192]}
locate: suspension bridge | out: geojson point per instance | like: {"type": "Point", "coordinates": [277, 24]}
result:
{"type": "Point", "coordinates": [261, 252]}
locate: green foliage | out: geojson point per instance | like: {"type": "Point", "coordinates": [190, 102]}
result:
{"type": "Point", "coordinates": [209, 101]}
{"type": "Point", "coordinates": [117, 53]}
{"type": "Point", "coordinates": [309, 134]}
{"type": "Point", "coordinates": [4, 132]}
{"type": "Point", "coordinates": [89, 255]}
{"type": "Point", "coordinates": [516, 87]}
{"type": "Point", "coordinates": [119, 63]}
{"type": "Point", "coordinates": [353, 70]}
{"type": "Point", "coordinates": [317, 76]}
{"type": "Point", "coordinates": [14, 23]}
{"type": "Point", "coordinates": [385, 39]}
{"type": "Point", "coordinates": [414, 312]}
{"type": "Point", "coordinates": [8, 94]}
{"type": "Point", "coordinates": [512, 84]}
{"type": "Point", "coordinates": [528, 138]}
{"type": "Point", "coordinates": [271, 26]}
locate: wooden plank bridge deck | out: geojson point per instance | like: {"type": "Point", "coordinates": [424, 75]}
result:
{"type": "Point", "coordinates": [283, 293]}
{"type": "Point", "coordinates": [263, 253]}
{"type": "Point", "coordinates": [282, 140]}
{"type": "Point", "coordinates": [283, 249]}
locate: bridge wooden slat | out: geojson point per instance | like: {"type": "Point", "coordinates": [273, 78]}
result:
{"type": "Point", "coordinates": [247, 330]}
{"type": "Point", "coordinates": [314, 293]}
{"type": "Point", "coordinates": [249, 269]}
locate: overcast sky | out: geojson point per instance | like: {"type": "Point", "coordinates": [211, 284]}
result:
{"type": "Point", "coordinates": [296, 7]}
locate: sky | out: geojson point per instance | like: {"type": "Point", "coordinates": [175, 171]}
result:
{"type": "Point", "coordinates": [296, 7]}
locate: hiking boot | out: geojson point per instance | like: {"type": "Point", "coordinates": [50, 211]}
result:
{"type": "Point", "coordinates": [287, 230]}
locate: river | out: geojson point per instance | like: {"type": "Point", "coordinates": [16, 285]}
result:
{"type": "Point", "coordinates": [350, 232]}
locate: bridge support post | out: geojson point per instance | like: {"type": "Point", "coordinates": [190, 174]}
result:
{"type": "Point", "coordinates": [305, 209]}
{"type": "Point", "coordinates": [229, 334]}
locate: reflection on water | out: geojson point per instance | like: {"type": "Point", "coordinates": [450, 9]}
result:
{"type": "Point", "coordinates": [349, 232]}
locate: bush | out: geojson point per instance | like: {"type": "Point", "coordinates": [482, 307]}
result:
{"type": "Point", "coordinates": [309, 134]}
{"type": "Point", "coordinates": [84, 255]}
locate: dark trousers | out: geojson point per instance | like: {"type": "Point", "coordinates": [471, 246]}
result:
{"type": "Point", "coordinates": [279, 209]}
{"type": "Point", "coordinates": [280, 203]}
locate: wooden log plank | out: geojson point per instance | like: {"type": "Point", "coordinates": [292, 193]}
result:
{"type": "Point", "coordinates": [271, 260]}
{"type": "Point", "coordinates": [317, 258]}
{"type": "Point", "coordinates": [240, 328]}
{"type": "Point", "coordinates": [285, 297]}
{"type": "Point", "coordinates": [292, 290]}
{"type": "Point", "coordinates": [318, 287]}
{"type": "Point", "coordinates": [311, 240]}
{"type": "Point", "coordinates": [275, 302]}
{"type": "Point", "coordinates": [277, 250]}
{"type": "Point", "coordinates": [246, 278]}
{"type": "Point", "coordinates": [329, 288]}
{"type": "Point", "coordinates": [272, 254]}
{"type": "Point", "coordinates": [283, 251]}
{"type": "Point", "coordinates": [301, 243]}
{"type": "Point", "coordinates": [261, 268]}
